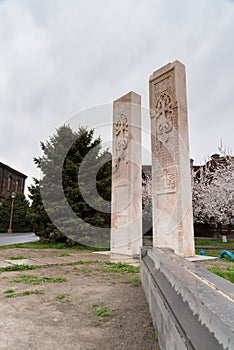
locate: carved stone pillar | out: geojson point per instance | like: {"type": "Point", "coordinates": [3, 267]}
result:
{"type": "Point", "coordinates": [126, 216]}
{"type": "Point", "coordinates": [171, 179]}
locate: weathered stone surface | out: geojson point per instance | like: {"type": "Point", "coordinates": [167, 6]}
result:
{"type": "Point", "coordinates": [47, 261]}
{"type": "Point", "coordinates": [171, 180]}
{"type": "Point", "coordinates": [126, 216]}
{"type": "Point", "coordinates": [21, 262]}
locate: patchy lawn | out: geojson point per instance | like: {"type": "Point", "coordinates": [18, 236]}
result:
{"type": "Point", "coordinates": [87, 304]}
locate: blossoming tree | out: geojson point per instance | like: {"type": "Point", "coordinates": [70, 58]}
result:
{"type": "Point", "coordinates": [213, 193]}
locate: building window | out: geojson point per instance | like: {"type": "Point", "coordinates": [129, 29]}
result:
{"type": "Point", "coordinates": [9, 183]}
{"type": "Point", "coordinates": [17, 186]}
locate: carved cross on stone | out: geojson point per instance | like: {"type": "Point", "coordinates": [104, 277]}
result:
{"type": "Point", "coordinates": [171, 178]}
{"type": "Point", "coordinates": [126, 213]}
{"type": "Point", "coordinates": [164, 112]}
{"type": "Point", "coordinates": [121, 130]}
{"type": "Point", "coordinates": [122, 126]}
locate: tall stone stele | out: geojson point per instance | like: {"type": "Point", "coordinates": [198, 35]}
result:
{"type": "Point", "coordinates": [126, 215]}
{"type": "Point", "coordinates": [171, 179]}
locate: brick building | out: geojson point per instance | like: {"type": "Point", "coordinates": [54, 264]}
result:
{"type": "Point", "coordinates": [11, 180]}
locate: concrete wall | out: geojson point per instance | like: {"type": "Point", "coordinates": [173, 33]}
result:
{"type": "Point", "coordinates": [191, 308]}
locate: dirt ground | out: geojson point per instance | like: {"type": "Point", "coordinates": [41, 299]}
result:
{"type": "Point", "coordinates": [63, 315]}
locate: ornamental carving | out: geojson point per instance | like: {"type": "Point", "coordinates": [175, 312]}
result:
{"type": "Point", "coordinates": [164, 113]}
{"type": "Point", "coordinates": [121, 132]}
{"type": "Point", "coordinates": [122, 126]}
{"type": "Point", "coordinates": [167, 181]}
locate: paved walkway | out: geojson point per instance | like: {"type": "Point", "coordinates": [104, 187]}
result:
{"type": "Point", "coordinates": [15, 238]}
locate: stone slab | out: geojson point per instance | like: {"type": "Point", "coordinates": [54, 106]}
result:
{"type": "Point", "coordinates": [198, 258]}
{"type": "Point", "coordinates": [21, 262]}
{"type": "Point", "coordinates": [103, 253]}
{"type": "Point", "coordinates": [68, 259]}
{"type": "Point", "coordinates": [171, 178]}
{"type": "Point", "coordinates": [48, 261]}
{"type": "Point", "coordinates": [126, 208]}
{"type": "Point", "coordinates": [4, 264]}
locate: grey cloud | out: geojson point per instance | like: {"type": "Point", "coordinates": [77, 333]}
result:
{"type": "Point", "coordinates": [60, 57]}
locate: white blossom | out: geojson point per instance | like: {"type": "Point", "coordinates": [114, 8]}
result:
{"type": "Point", "coordinates": [213, 192]}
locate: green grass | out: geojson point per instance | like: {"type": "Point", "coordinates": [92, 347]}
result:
{"type": "Point", "coordinates": [10, 293]}
{"type": "Point", "coordinates": [99, 309]}
{"type": "Point", "coordinates": [29, 292]}
{"type": "Point", "coordinates": [18, 268]}
{"type": "Point", "coordinates": [31, 279]}
{"type": "Point", "coordinates": [209, 242]}
{"type": "Point", "coordinates": [63, 254]}
{"type": "Point", "coordinates": [84, 270]}
{"type": "Point", "coordinates": [104, 262]}
{"type": "Point", "coordinates": [119, 267]}
{"type": "Point", "coordinates": [17, 257]}
{"type": "Point", "coordinates": [108, 266]}
{"type": "Point", "coordinates": [62, 298]}
{"type": "Point", "coordinates": [39, 245]}
{"type": "Point", "coordinates": [123, 268]}
{"type": "Point", "coordinates": [227, 273]}
{"type": "Point", "coordinates": [134, 281]}
{"type": "Point", "coordinates": [80, 262]}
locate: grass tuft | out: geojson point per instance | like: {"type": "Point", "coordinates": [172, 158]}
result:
{"type": "Point", "coordinates": [84, 270]}
{"type": "Point", "coordinates": [18, 268]}
{"type": "Point", "coordinates": [63, 254]}
{"type": "Point", "coordinates": [134, 281]}
{"type": "Point", "coordinates": [80, 262]}
{"type": "Point", "coordinates": [99, 309]}
{"type": "Point", "coordinates": [31, 279]}
{"type": "Point", "coordinates": [123, 268]}
{"type": "Point", "coordinates": [10, 293]}
{"type": "Point", "coordinates": [62, 298]}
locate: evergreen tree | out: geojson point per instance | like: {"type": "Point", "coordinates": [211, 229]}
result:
{"type": "Point", "coordinates": [20, 222]}
{"type": "Point", "coordinates": [37, 215]}
{"type": "Point", "coordinates": [75, 189]}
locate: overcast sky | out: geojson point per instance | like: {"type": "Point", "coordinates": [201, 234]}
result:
{"type": "Point", "coordinates": [60, 57]}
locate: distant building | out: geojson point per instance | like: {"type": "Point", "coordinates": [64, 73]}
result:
{"type": "Point", "coordinates": [11, 180]}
